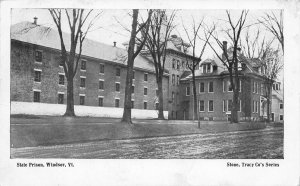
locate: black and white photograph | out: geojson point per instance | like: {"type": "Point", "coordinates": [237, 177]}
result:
{"type": "Point", "coordinates": [139, 87]}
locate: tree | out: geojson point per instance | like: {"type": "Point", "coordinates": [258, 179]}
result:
{"type": "Point", "coordinates": [192, 62]}
{"type": "Point", "coordinates": [79, 27]}
{"type": "Point", "coordinates": [132, 53]}
{"type": "Point", "coordinates": [230, 58]}
{"type": "Point", "coordinates": [157, 39]}
{"type": "Point", "coordinates": [270, 63]}
{"type": "Point", "coordinates": [274, 24]}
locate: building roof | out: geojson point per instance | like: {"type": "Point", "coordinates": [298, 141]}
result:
{"type": "Point", "coordinates": [48, 37]}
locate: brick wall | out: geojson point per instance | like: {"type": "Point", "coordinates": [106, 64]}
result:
{"type": "Point", "coordinates": [22, 79]}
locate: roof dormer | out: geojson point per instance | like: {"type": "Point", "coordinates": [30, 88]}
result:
{"type": "Point", "coordinates": [208, 66]}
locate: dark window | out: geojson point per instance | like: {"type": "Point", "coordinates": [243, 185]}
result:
{"type": "Point", "coordinates": [280, 117]}
{"type": "Point", "coordinates": [281, 106]}
{"type": "Point", "coordinates": [118, 71]}
{"type": "Point", "coordinates": [132, 89]}
{"type": "Point", "coordinates": [101, 85]}
{"type": "Point", "coordinates": [229, 105]}
{"type": "Point", "coordinates": [133, 75]}
{"type": "Point", "coordinates": [201, 105]}
{"type": "Point", "coordinates": [101, 68]}
{"type": "Point", "coordinates": [61, 79]}
{"type": "Point", "coordinates": [211, 105]}
{"type": "Point", "coordinates": [60, 98]}
{"type": "Point", "coordinates": [117, 102]}
{"type": "Point", "coordinates": [204, 68]}
{"type": "Point", "coordinates": [82, 82]}
{"type": "Point", "coordinates": [156, 106]}
{"type": "Point", "coordinates": [173, 63]}
{"type": "Point", "coordinates": [229, 87]}
{"type": "Point", "coordinates": [37, 76]}
{"type": "Point", "coordinates": [100, 101]}
{"type": "Point", "coordinates": [118, 87]}
{"type": "Point", "coordinates": [145, 77]}
{"type": "Point", "coordinates": [201, 87]}
{"type": "Point", "coordinates": [211, 87]}
{"type": "Point", "coordinates": [83, 65]}
{"type": "Point", "coordinates": [145, 105]}
{"type": "Point", "coordinates": [145, 91]}
{"type": "Point", "coordinates": [38, 56]}
{"type": "Point", "coordinates": [188, 91]}
{"type": "Point", "coordinates": [81, 100]}
{"type": "Point", "coordinates": [173, 79]}
{"type": "Point", "coordinates": [36, 96]}
{"type": "Point", "coordinates": [208, 68]}
{"type": "Point", "coordinates": [177, 79]}
{"type": "Point", "coordinates": [132, 104]}
{"type": "Point", "coordinates": [178, 65]}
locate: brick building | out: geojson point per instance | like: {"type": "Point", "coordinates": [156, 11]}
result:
{"type": "Point", "coordinates": [214, 94]}
{"type": "Point", "coordinates": [37, 76]}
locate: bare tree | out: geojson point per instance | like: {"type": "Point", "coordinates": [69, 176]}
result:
{"type": "Point", "coordinates": [274, 24]}
{"type": "Point", "coordinates": [79, 23]}
{"type": "Point", "coordinates": [193, 61]}
{"type": "Point", "coordinates": [161, 25]}
{"type": "Point", "coordinates": [230, 58]}
{"type": "Point", "coordinates": [132, 53]}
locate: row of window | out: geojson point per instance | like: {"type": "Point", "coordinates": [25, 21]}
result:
{"type": "Point", "coordinates": [202, 88]}
{"type": "Point", "coordinates": [176, 64]}
{"type": "Point", "coordinates": [60, 100]}
{"type": "Point", "coordinates": [173, 79]}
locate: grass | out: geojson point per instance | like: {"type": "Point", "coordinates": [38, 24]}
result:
{"type": "Point", "coordinates": [60, 130]}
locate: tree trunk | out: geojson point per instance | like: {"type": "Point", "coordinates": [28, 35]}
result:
{"type": "Point", "coordinates": [268, 102]}
{"type": "Point", "coordinates": [128, 91]}
{"type": "Point", "coordinates": [160, 97]}
{"type": "Point", "coordinates": [70, 98]}
{"type": "Point", "coordinates": [194, 97]}
{"type": "Point", "coordinates": [234, 85]}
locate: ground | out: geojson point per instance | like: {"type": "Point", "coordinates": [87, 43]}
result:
{"type": "Point", "coordinates": [59, 137]}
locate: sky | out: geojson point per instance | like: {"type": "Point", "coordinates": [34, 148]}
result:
{"type": "Point", "coordinates": [112, 25]}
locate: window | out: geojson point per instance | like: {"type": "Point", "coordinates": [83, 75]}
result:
{"type": "Point", "coordinates": [132, 89]}
{"type": "Point", "coordinates": [37, 75]}
{"type": "Point", "coordinates": [83, 65]}
{"type": "Point", "coordinates": [145, 105]}
{"type": "Point", "coordinates": [224, 85]}
{"type": "Point", "coordinates": [224, 105]}
{"type": "Point", "coordinates": [230, 89]}
{"type": "Point", "coordinates": [173, 63]}
{"type": "Point", "coordinates": [101, 69]}
{"type": "Point", "coordinates": [258, 88]}
{"type": "Point", "coordinates": [117, 87]}
{"type": "Point", "coordinates": [201, 87]}
{"type": "Point", "coordinates": [257, 106]}
{"type": "Point", "coordinates": [208, 68]}
{"type": "Point", "coordinates": [229, 105]}
{"type": "Point", "coordinates": [82, 82]}
{"type": "Point", "coordinates": [254, 106]}
{"type": "Point", "coordinates": [188, 93]}
{"type": "Point", "coordinates": [133, 74]}
{"type": "Point", "coordinates": [277, 87]}
{"type": "Point", "coordinates": [210, 106]}
{"type": "Point", "coordinates": [173, 79]}
{"type": "Point", "coordinates": [254, 86]}
{"type": "Point", "coordinates": [100, 101]}
{"type": "Point", "coordinates": [281, 117]}
{"type": "Point", "coordinates": [240, 86]}
{"type": "Point", "coordinates": [204, 68]}
{"type": "Point", "coordinates": [274, 87]}
{"type": "Point", "coordinates": [101, 85]}
{"type": "Point", "coordinates": [173, 97]}
{"type": "Point", "coordinates": [132, 104]}
{"type": "Point", "coordinates": [118, 72]}
{"type": "Point", "coordinates": [81, 99]}
{"type": "Point", "coordinates": [177, 79]}
{"type": "Point", "coordinates": [240, 105]}
{"type": "Point", "coordinates": [178, 65]}
{"type": "Point", "coordinates": [117, 102]}
{"type": "Point", "coordinates": [36, 96]}
{"type": "Point", "coordinates": [61, 79]}
{"type": "Point", "coordinates": [211, 86]}
{"type": "Point", "coordinates": [156, 106]}
{"type": "Point", "coordinates": [281, 106]}
{"type": "Point", "coordinates": [38, 56]}
{"type": "Point", "coordinates": [61, 62]}
{"type": "Point", "coordinates": [145, 77]}
{"type": "Point", "coordinates": [60, 98]}
{"type": "Point", "coordinates": [262, 89]}
{"type": "Point", "coordinates": [145, 91]}
{"type": "Point", "coordinates": [201, 106]}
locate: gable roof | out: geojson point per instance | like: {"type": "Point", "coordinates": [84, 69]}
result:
{"type": "Point", "coordinates": [45, 36]}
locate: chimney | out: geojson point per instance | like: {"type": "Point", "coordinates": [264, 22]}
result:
{"type": "Point", "coordinates": [115, 44]}
{"type": "Point", "coordinates": [35, 20]}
